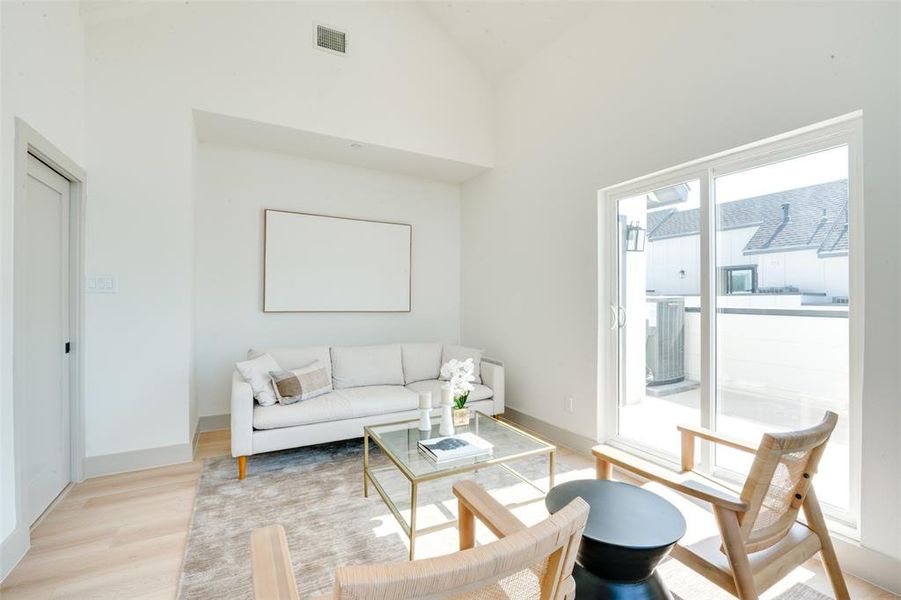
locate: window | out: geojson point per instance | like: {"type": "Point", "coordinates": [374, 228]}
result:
{"type": "Point", "coordinates": [738, 280]}
{"type": "Point", "coordinates": [737, 311]}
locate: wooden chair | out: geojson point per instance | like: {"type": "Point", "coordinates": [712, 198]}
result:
{"type": "Point", "coordinates": [753, 539]}
{"type": "Point", "coordinates": [526, 562]}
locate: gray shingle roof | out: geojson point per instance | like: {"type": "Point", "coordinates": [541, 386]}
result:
{"type": "Point", "coordinates": [817, 219]}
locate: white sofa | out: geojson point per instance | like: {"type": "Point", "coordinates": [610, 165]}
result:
{"type": "Point", "coordinates": [372, 385]}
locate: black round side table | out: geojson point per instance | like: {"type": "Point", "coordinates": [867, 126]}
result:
{"type": "Point", "coordinates": [629, 531]}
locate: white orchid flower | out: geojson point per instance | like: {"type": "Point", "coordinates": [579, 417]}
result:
{"type": "Point", "coordinates": [460, 375]}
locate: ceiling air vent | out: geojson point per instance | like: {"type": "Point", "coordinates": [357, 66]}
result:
{"type": "Point", "coordinates": [331, 39]}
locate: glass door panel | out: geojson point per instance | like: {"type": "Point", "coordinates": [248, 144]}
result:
{"type": "Point", "coordinates": [782, 296]}
{"type": "Point", "coordinates": [658, 315]}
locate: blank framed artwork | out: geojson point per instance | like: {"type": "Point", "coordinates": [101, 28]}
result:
{"type": "Point", "coordinates": [318, 263]}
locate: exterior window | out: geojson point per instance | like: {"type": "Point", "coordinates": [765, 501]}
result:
{"type": "Point", "coordinates": [738, 280]}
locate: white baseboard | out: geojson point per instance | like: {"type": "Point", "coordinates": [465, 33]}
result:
{"type": "Point", "coordinates": [13, 550]}
{"type": "Point", "coordinates": [135, 460]}
{"type": "Point", "coordinates": [868, 564]}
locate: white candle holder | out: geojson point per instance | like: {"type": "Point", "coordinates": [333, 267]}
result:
{"type": "Point", "coordinates": [425, 410]}
{"type": "Point", "coordinates": [447, 418]}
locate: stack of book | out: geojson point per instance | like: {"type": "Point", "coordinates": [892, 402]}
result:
{"type": "Point", "coordinates": [455, 447]}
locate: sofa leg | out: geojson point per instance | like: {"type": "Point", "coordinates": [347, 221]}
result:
{"type": "Point", "coordinates": [242, 467]}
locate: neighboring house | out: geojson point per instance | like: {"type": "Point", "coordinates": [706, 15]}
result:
{"type": "Point", "coordinates": [789, 242]}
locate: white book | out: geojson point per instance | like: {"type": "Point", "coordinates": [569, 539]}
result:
{"type": "Point", "coordinates": [455, 447]}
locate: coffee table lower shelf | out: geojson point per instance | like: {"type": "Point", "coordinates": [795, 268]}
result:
{"type": "Point", "coordinates": [371, 476]}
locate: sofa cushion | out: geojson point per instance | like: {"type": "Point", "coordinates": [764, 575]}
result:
{"type": "Point", "coordinates": [355, 366]}
{"type": "Point", "coordinates": [461, 353]}
{"type": "Point", "coordinates": [337, 405]}
{"type": "Point", "coordinates": [421, 361]}
{"type": "Point", "coordinates": [479, 392]}
{"type": "Point", "coordinates": [290, 358]}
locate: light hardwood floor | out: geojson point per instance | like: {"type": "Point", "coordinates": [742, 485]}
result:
{"type": "Point", "coordinates": [123, 536]}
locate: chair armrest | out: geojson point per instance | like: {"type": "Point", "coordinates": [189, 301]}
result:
{"type": "Point", "coordinates": [670, 479]}
{"type": "Point", "coordinates": [492, 372]}
{"type": "Point", "coordinates": [480, 504]}
{"type": "Point", "coordinates": [241, 416]}
{"type": "Point", "coordinates": [273, 577]}
{"type": "Point", "coordinates": [689, 433]}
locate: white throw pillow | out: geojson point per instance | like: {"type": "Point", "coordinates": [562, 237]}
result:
{"type": "Point", "coordinates": [421, 361]}
{"type": "Point", "coordinates": [301, 384]}
{"type": "Point", "coordinates": [355, 366]}
{"type": "Point", "coordinates": [462, 353]}
{"type": "Point", "coordinates": [256, 373]}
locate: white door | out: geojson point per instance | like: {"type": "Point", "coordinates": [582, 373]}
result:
{"type": "Point", "coordinates": [42, 334]}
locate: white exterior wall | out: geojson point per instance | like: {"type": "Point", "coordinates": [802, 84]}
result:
{"type": "Point", "coordinates": [666, 257]}
{"type": "Point", "coordinates": [803, 269]}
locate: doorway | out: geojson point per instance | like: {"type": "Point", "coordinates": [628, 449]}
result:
{"type": "Point", "coordinates": [42, 341]}
{"type": "Point", "coordinates": [734, 286]}
{"type": "Point", "coordinates": [48, 314]}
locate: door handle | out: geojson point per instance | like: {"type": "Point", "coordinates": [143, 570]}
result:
{"type": "Point", "coordinates": [614, 322]}
{"type": "Point", "coordinates": [621, 321]}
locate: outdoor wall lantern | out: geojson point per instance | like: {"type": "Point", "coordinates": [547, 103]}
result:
{"type": "Point", "coordinates": [635, 237]}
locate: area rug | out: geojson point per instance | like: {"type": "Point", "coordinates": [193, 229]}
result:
{"type": "Point", "coordinates": [316, 494]}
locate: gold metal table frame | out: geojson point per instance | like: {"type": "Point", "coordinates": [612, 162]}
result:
{"type": "Point", "coordinates": [415, 481]}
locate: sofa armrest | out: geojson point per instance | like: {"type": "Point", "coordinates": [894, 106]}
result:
{"type": "Point", "coordinates": [242, 416]}
{"type": "Point", "coordinates": [492, 371]}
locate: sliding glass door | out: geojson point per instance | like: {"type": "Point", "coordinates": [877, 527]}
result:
{"type": "Point", "coordinates": [732, 296]}
{"type": "Point", "coordinates": [782, 297]}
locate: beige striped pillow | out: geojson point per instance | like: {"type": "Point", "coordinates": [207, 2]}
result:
{"type": "Point", "coordinates": [301, 384]}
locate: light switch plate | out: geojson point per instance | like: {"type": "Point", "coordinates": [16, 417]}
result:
{"type": "Point", "coordinates": [102, 284]}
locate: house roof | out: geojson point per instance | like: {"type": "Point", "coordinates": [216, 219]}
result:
{"type": "Point", "coordinates": [812, 217]}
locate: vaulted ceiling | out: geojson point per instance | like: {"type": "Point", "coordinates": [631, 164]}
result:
{"type": "Point", "coordinates": [499, 36]}
{"type": "Point", "coordinates": [496, 35]}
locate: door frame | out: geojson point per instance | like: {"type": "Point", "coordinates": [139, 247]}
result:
{"type": "Point", "coordinates": [846, 129]}
{"type": "Point", "coordinates": [29, 141]}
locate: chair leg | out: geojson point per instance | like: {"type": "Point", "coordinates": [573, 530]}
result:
{"type": "Point", "coordinates": [242, 467]}
{"type": "Point", "coordinates": [736, 553]}
{"type": "Point", "coordinates": [603, 469]}
{"type": "Point", "coordinates": [817, 522]}
{"type": "Point", "coordinates": [466, 523]}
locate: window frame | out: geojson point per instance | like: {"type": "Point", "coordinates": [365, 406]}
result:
{"type": "Point", "coordinates": [726, 274]}
{"type": "Point", "coordinates": [844, 130]}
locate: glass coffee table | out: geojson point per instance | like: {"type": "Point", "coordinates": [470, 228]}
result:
{"type": "Point", "coordinates": [398, 441]}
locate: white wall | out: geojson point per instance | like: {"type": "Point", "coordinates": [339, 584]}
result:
{"type": "Point", "coordinates": [402, 86]}
{"type": "Point", "coordinates": [641, 87]}
{"type": "Point", "coordinates": [42, 83]}
{"type": "Point", "coordinates": [235, 185]}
